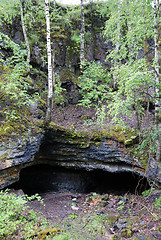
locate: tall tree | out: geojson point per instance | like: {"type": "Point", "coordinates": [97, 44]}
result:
{"type": "Point", "coordinates": [50, 74]}
{"type": "Point", "coordinates": [82, 58]}
{"type": "Point", "coordinates": [25, 34]}
{"type": "Point", "coordinates": [116, 60]}
{"type": "Point", "coordinates": [157, 78]}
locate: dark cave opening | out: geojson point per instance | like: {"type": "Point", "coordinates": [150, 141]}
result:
{"type": "Point", "coordinates": [46, 178]}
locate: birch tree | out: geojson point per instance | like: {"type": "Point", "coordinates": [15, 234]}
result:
{"type": "Point", "coordinates": [116, 60]}
{"type": "Point", "coordinates": [49, 55]}
{"type": "Point", "coordinates": [157, 78]}
{"type": "Point", "coordinates": [82, 58]}
{"type": "Point", "coordinates": [25, 35]}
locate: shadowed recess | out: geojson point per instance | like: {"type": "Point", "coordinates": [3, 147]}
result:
{"type": "Point", "coordinates": [45, 178]}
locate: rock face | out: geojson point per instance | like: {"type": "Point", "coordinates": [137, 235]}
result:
{"type": "Point", "coordinates": [106, 154]}
{"type": "Point", "coordinates": [13, 158]}
{"type": "Point", "coordinates": [58, 148]}
{"type": "Point", "coordinates": [66, 49]}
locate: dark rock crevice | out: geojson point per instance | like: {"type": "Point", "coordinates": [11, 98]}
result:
{"type": "Point", "coordinates": [44, 178]}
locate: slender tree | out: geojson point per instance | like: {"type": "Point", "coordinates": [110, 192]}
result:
{"type": "Point", "coordinates": [25, 35]}
{"type": "Point", "coordinates": [157, 78]}
{"type": "Point", "coordinates": [53, 66]}
{"type": "Point", "coordinates": [82, 58]}
{"type": "Point", "coordinates": [116, 60]}
{"type": "Point", "coordinates": [50, 74]}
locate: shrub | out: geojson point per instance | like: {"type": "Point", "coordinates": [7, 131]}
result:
{"type": "Point", "coordinates": [17, 220]}
{"type": "Point", "coordinates": [158, 202]}
{"type": "Point", "coordinates": [94, 85]}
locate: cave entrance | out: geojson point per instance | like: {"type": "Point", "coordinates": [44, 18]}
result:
{"type": "Point", "coordinates": [45, 178]}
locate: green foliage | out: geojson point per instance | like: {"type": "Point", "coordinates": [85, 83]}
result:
{"type": "Point", "coordinates": [147, 146]}
{"type": "Point", "coordinates": [121, 205]}
{"type": "Point", "coordinates": [129, 24]}
{"type": "Point", "coordinates": [158, 203]}
{"type": "Point", "coordinates": [94, 85]}
{"type": "Point", "coordinates": [73, 216]}
{"type": "Point", "coordinates": [133, 82]}
{"type": "Point", "coordinates": [16, 218]}
{"type": "Point", "coordinates": [101, 114]}
{"type": "Point", "coordinates": [17, 86]}
{"type": "Point", "coordinates": [58, 91]}
{"type": "Point", "coordinates": [147, 192]}
{"type": "Point", "coordinates": [18, 53]}
{"type": "Point", "coordinates": [8, 9]}
{"type": "Point", "coordinates": [76, 38]}
{"type": "Point", "coordinates": [16, 101]}
{"type": "Point", "coordinates": [103, 8]}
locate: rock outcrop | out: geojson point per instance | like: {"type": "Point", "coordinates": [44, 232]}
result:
{"type": "Point", "coordinates": [71, 150]}
{"type": "Point", "coordinates": [63, 148]}
{"type": "Point", "coordinates": [16, 155]}
{"type": "Point", "coordinates": [74, 152]}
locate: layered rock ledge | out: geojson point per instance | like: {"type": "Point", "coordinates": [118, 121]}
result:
{"type": "Point", "coordinates": [14, 156]}
{"type": "Point", "coordinates": [60, 147]}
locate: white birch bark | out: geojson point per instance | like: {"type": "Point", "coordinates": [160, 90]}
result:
{"type": "Point", "coordinates": [49, 55]}
{"type": "Point", "coordinates": [117, 61]}
{"type": "Point", "coordinates": [53, 69]}
{"type": "Point", "coordinates": [25, 35]}
{"type": "Point", "coordinates": [157, 80]}
{"type": "Point", "coordinates": [82, 58]}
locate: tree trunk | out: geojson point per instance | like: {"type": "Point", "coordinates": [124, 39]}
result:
{"type": "Point", "coordinates": [49, 55]}
{"type": "Point", "coordinates": [25, 35]}
{"type": "Point", "coordinates": [117, 47]}
{"type": "Point", "coordinates": [82, 58]}
{"type": "Point", "coordinates": [53, 69]}
{"type": "Point", "coordinates": [157, 80]}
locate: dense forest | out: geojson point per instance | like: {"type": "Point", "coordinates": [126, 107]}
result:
{"type": "Point", "coordinates": [100, 56]}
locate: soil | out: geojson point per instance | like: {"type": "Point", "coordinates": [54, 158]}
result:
{"type": "Point", "coordinates": [77, 117]}
{"type": "Point", "coordinates": [125, 216]}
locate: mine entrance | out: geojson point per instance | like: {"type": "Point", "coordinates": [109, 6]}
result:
{"type": "Point", "coordinates": [45, 178]}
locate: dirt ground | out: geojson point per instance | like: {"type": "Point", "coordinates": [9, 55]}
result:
{"type": "Point", "coordinates": [107, 216]}
{"type": "Point", "coordinates": [80, 118]}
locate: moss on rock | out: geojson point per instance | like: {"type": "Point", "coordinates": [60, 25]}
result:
{"type": "Point", "coordinates": [67, 75]}
{"type": "Point", "coordinates": [83, 137]}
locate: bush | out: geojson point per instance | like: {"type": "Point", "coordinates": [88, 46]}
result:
{"type": "Point", "coordinates": [17, 220]}
{"type": "Point", "coordinates": [158, 202]}
{"type": "Point", "coordinates": [94, 85]}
